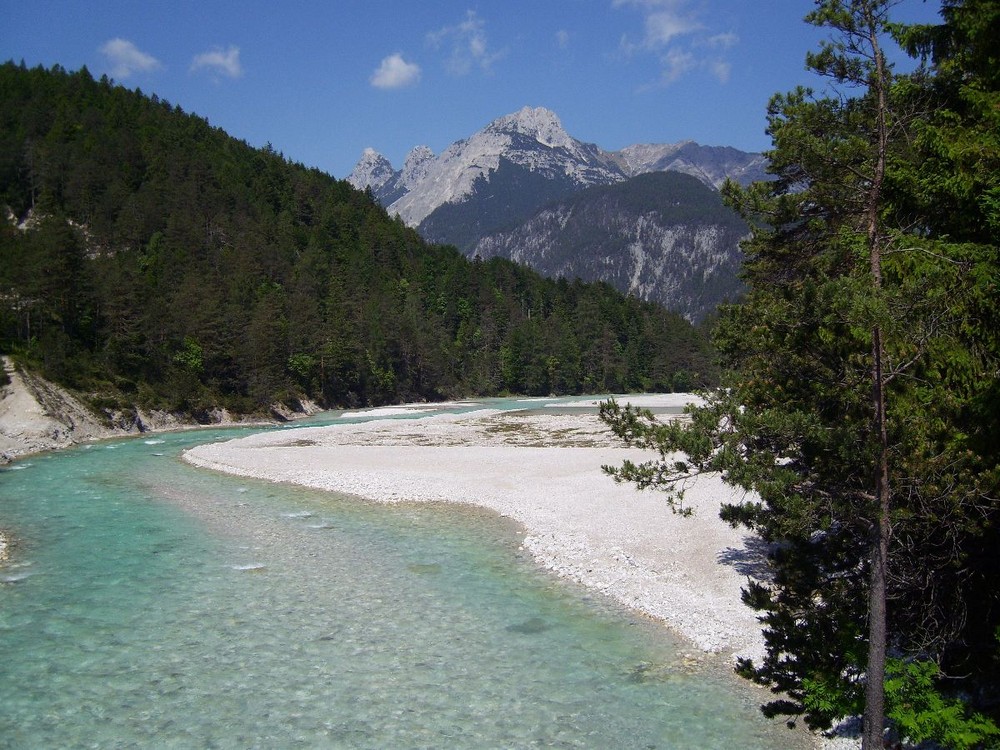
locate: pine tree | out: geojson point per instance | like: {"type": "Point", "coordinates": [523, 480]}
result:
{"type": "Point", "coordinates": [859, 383]}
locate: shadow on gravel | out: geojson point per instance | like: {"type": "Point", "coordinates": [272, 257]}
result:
{"type": "Point", "coordinates": [750, 560]}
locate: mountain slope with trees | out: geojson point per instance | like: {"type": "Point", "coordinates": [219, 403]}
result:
{"type": "Point", "coordinates": [505, 191]}
{"type": "Point", "coordinates": [149, 258]}
{"type": "Point", "coordinates": [661, 236]}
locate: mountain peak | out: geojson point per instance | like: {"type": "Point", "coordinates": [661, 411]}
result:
{"type": "Point", "coordinates": [416, 165]}
{"type": "Point", "coordinates": [372, 170]}
{"type": "Point", "coordinates": [537, 122]}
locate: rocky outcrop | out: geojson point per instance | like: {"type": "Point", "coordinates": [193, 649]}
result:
{"type": "Point", "coordinates": [36, 415]}
{"type": "Point", "coordinates": [290, 411]}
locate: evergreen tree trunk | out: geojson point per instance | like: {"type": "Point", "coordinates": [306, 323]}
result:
{"type": "Point", "coordinates": [874, 717]}
{"type": "Point", "coordinates": [874, 721]}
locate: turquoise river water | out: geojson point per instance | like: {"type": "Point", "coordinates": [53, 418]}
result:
{"type": "Point", "coordinates": [147, 603]}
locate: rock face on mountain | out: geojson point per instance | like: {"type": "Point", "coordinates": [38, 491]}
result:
{"type": "Point", "coordinates": [486, 196]}
{"type": "Point", "coordinates": [375, 172]}
{"type": "Point", "coordinates": [663, 236]}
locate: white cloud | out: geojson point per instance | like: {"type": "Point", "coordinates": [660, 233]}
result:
{"type": "Point", "coordinates": [468, 44]}
{"type": "Point", "coordinates": [675, 64]}
{"type": "Point", "coordinates": [721, 70]}
{"type": "Point", "coordinates": [664, 25]}
{"type": "Point", "coordinates": [126, 58]}
{"type": "Point", "coordinates": [674, 32]}
{"type": "Point", "coordinates": [663, 21]}
{"type": "Point", "coordinates": [722, 41]}
{"type": "Point", "coordinates": [562, 39]}
{"type": "Point", "coordinates": [394, 73]}
{"type": "Point", "coordinates": [221, 62]}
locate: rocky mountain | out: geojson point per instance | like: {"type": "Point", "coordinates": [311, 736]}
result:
{"type": "Point", "coordinates": [523, 188]}
{"type": "Point", "coordinates": [374, 171]}
{"type": "Point", "coordinates": [527, 149]}
{"type": "Point", "coordinates": [661, 236]}
{"type": "Point", "coordinates": [503, 174]}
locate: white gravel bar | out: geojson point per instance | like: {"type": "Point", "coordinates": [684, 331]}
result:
{"type": "Point", "coordinates": [544, 471]}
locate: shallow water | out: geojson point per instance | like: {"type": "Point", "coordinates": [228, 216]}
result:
{"type": "Point", "coordinates": [149, 603]}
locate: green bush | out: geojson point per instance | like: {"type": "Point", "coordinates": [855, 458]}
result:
{"type": "Point", "coordinates": [920, 712]}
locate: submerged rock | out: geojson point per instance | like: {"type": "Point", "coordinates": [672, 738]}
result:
{"type": "Point", "coordinates": [532, 626]}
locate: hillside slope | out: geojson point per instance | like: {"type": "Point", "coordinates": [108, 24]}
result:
{"type": "Point", "coordinates": [147, 258]}
{"type": "Point", "coordinates": [36, 415]}
{"type": "Point", "coordinates": [661, 236]}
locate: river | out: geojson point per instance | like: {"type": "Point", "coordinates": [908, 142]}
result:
{"type": "Point", "coordinates": [148, 603]}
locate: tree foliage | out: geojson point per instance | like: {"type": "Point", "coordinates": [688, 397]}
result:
{"type": "Point", "coordinates": [147, 254]}
{"type": "Point", "coordinates": [823, 330]}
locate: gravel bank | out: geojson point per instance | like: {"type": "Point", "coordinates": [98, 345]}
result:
{"type": "Point", "coordinates": [543, 471]}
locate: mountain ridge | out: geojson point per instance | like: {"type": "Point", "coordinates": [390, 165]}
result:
{"type": "Point", "coordinates": [535, 139]}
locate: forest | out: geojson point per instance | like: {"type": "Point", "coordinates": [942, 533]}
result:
{"type": "Point", "coordinates": [148, 258]}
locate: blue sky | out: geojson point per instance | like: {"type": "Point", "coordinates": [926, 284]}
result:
{"type": "Point", "coordinates": [321, 81]}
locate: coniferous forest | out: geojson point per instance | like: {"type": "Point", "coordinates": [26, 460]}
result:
{"type": "Point", "coordinates": [149, 258]}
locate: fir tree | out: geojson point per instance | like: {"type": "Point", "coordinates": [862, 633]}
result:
{"type": "Point", "coordinates": [862, 373]}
